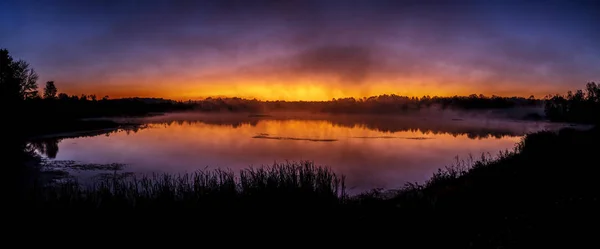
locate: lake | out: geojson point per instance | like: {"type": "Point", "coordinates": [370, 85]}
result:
{"type": "Point", "coordinates": [372, 151]}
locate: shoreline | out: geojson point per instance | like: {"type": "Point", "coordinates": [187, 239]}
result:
{"type": "Point", "coordinates": [548, 172]}
{"type": "Point", "coordinates": [71, 134]}
{"type": "Point", "coordinates": [90, 128]}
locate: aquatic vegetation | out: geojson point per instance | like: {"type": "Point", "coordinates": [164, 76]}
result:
{"type": "Point", "coordinates": [297, 183]}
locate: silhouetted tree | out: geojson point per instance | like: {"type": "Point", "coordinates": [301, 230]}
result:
{"type": "Point", "coordinates": [50, 90]}
{"type": "Point", "coordinates": [575, 107]}
{"type": "Point", "coordinates": [593, 92]}
{"type": "Point", "coordinates": [63, 96]}
{"type": "Point", "coordinates": [17, 80]}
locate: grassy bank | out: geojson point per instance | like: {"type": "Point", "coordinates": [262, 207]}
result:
{"type": "Point", "coordinates": [285, 185]}
{"type": "Point", "coordinates": [544, 192]}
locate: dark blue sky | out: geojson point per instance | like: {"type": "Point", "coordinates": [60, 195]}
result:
{"type": "Point", "coordinates": [306, 49]}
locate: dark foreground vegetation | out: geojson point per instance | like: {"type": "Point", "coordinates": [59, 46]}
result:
{"type": "Point", "coordinates": [543, 192]}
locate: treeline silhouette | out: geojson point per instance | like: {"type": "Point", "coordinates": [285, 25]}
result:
{"type": "Point", "coordinates": [385, 104]}
{"type": "Point", "coordinates": [583, 106]}
{"type": "Point", "coordinates": [88, 106]}
{"type": "Point", "coordinates": [65, 113]}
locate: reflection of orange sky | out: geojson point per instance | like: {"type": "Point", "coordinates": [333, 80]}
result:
{"type": "Point", "coordinates": [367, 162]}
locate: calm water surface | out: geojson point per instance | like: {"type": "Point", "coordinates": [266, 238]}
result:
{"type": "Point", "coordinates": [371, 151]}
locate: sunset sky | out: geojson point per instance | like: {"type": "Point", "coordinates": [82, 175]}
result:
{"type": "Point", "coordinates": [308, 50]}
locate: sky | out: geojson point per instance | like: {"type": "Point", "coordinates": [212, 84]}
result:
{"type": "Point", "coordinates": [306, 49]}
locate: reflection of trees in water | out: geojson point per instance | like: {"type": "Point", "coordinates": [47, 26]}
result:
{"type": "Point", "coordinates": [436, 128]}
{"type": "Point", "coordinates": [381, 124]}
{"type": "Point", "coordinates": [48, 146]}
{"type": "Point", "coordinates": [128, 130]}
{"type": "Point", "coordinates": [232, 123]}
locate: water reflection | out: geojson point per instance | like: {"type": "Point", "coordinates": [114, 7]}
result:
{"type": "Point", "coordinates": [48, 145]}
{"type": "Point", "coordinates": [370, 151]}
{"type": "Point", "coordinates": [473, 127]}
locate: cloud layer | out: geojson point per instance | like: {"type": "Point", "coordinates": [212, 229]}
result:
{"type": "Point", "coordinates": [322, 49]}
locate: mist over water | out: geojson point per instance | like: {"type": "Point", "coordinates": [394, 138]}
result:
{"type": "Point", "coordinates": [372, 151]}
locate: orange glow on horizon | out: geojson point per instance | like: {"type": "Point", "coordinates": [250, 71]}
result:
{"type": "Point", "coordinates": [297, 91]}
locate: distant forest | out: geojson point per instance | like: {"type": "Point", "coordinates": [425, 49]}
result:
{"type": "Point", "coordinates": [583, 106]}
{"type": "Point", "coordinates": [383, 104]}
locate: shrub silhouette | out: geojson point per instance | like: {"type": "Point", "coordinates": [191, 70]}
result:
{"type": "Point", "coordinates": [581, 107]}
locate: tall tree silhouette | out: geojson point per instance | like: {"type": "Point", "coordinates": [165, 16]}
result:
{"type": "Point", "coordinates": [17, 80]}
{"type": "Point", "coordinates": [50, 91]}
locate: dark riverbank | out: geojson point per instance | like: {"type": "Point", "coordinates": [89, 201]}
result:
{"type": "Point", "coordinates": [543, 192]}
{"type": "Point", "coordinates": [57, 127]}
